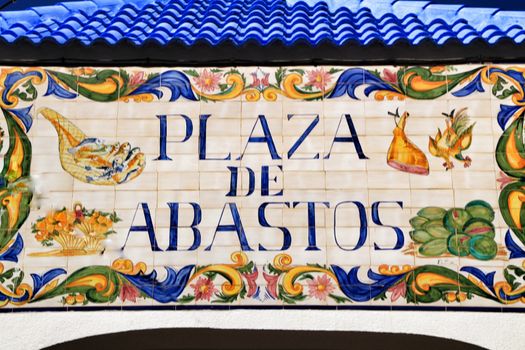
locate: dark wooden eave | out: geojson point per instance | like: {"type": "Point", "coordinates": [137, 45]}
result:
{"type": "Point", "coordinates": [51, 53]}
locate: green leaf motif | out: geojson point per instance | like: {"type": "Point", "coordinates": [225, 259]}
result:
{"type": "Point", "coordinates": [18, 280]}
{"type": "Point", "coordinates": [288, 298]}
{"type": "Point", "coordinates": [248, 268]}
{"type": "Point", "coordinates": [188, 298]}
{"type": "Point", "coordinates": [70, 285]}
{"type": "Point", "coordinates": [7, 275]}
{"type": "Point", "coordinates": [338, 299]}
{"type": "Point", "coordinates": [233, 71]}
{"type": "Point", "coordinates": [279, 75]}
{"type": "Point", "coordinates": [334, 70]}
{"type": "Point", "coordinates": [306, 276]}
{"type": "Point", "coordinates": [300, 71]}
{"type": "Point", "coordinates": [381, 296]}
{"type": "Point", "coordinates": [243, 292]}
{"type": "Point", "coordinates": [375, 72]}
{"type": "Point", "coordinates": [82, 84]}
{"type": "Point", "coordinates": [26, 92]}
{"type": "Point", "coordinates": [191, 72]}
{"type": "Point", "coordinates": [224, 299]}
{"type": "Point", "coordinates": [211, 275]}
{"type": "Point", "coordinates": [272, 269]}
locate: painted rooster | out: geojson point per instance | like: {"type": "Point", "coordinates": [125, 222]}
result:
{"type": "Point", "coordinates": [456, 138]}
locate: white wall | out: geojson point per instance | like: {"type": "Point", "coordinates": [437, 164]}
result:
{"type": "Point", "coordinates": [37, 330]}
{"type": "Point", "coordinates": [491, 330]}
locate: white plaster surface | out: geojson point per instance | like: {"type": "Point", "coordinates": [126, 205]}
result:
{"type": "Point", "coordinates": [490, 330]}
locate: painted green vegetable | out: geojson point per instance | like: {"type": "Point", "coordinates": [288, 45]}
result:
{"type": "Point", "coordinates": [455, 219]}
{"type": "Point", "coordinates": [435, 247]}
{"type": "Point", "coordinates": [432, 223]}
{"type": "Point", "coordinates": [478, 226]}
{"type": "Point", "coordinates": [483, 247]}
{"type": "Point", "coordinates": [420, 236]}
{"type": "Point", "coordinates": [417, 222]}
{"type": "Point", "coordinates": [432, 213]}
{"type": "Point", "coordinates": [480, 209]}
{"type": "Point", "coordinates": [458, 244]}
{"type": "Point", "coordinates": [438, 231]}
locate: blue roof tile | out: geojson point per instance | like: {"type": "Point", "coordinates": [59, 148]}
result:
{"type": "Point", "coordinates": [264, 21]}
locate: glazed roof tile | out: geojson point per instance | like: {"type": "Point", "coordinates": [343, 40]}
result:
{"type": "Point", "coordinates": [263, 21]}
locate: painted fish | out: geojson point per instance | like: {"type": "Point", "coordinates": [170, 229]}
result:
{"type": "Point", "coordinates": [90, 159]}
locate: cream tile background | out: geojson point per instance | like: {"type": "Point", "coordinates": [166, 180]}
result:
{"type": "Point", "coordinates": [341, 177]}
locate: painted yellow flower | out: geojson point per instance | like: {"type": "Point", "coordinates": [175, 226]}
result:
{"type": "Point", "coordinates": [44, 226]}
{"type": "Point", "coordinates": [63, 220]}
{"type": "Point", "coordinates": [99, 223]}
{"type": "Point", "coordinates": [55, 222]}
{"type": "Point", "coordinates": [77, 231]}
{"type": "Point", "coordinates": [41, 235]}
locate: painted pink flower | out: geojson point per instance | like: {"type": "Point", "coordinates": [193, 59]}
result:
{"type": "Point", "coordinates": [389, 75]}
{"type": "Point", "coordinates": [204, 288]}
{"type": "Point", "coordinates": [318, 78]}
{"type": "Point", "coordinates": [320, 287]}
{"type": "Point", "coordinates": [207, 81]}
{"type": "Point", "coordinates": [504, 180]}
{"type": "Point", "coordinates": [136, 78]}
{"type": "Point", "coordinates": [129, 292]}
{"type": "Point", "coordinates": [251, 278]}
{"type": "Point", "coordinates": [261, 79]}
{"type": "Point", "coordinates": [398, 290]}
{"type": "Point", "coordinates": [271, 284]}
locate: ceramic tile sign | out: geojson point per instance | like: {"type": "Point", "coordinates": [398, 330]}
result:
{"type": "Point", "coordinates": [335, 187]}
